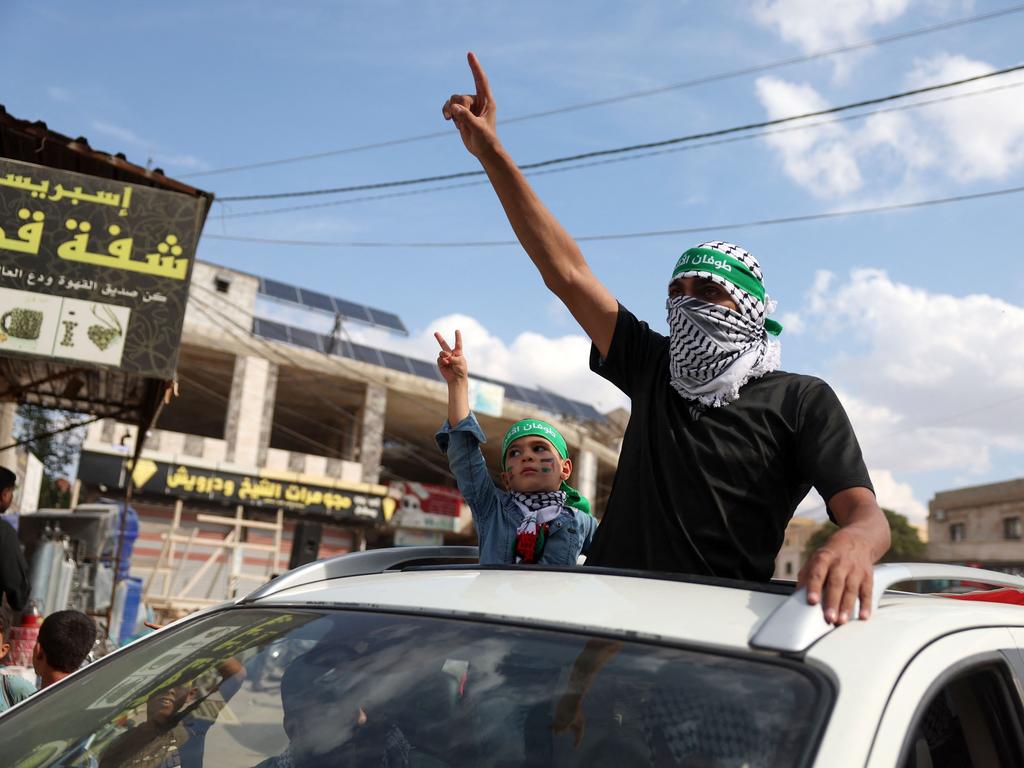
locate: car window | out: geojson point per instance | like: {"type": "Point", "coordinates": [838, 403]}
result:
{"type": "Point", "coordinates": [971, 721]}
{"type": "Point", "coordinates": [293, 688]}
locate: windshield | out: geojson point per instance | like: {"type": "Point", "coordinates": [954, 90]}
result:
{"type": "Point", "coordinates": [295, 688]}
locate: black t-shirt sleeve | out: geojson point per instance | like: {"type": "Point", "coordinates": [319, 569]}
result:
{"type": "Point", "coordinates": [631, 354]}
{"type": "Point", "coordinates": [827, 449]}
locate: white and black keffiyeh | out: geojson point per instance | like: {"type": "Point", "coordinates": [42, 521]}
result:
{"type": "Point", "coordinates": [713, 350]}
{"type": "Point", "coordinates": [539, 509]}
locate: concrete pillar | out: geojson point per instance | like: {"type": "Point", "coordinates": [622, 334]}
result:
{"type": "Point", "coordinates": [250, 411]}
{"type": "Point", "coordinates": [371, 431]}
{"type": "Point", "coordinates": [8, 458]}
{"type": "Point", "coordinates": [584, 474]}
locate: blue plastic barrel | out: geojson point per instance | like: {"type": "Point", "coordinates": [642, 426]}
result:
{"type": "Point", "coordinates": [132, 598]}
{"type": "Point", "coordinates": [131, 533]}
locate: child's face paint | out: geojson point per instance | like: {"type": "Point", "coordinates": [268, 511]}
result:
{"type": "Point", "coordinates": [532, 464]}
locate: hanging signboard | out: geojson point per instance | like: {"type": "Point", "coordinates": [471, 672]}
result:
{"type": "Point", "coordinates": [369, 502]}
{"type": "Point", "coordinates": [427, 507]}
{"type": "Point", "coordinates": [94, 270]}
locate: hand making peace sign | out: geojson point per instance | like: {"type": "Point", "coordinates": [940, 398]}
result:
{"type": "Point", "coordinates": [474, 115]}
{"type": "Point", "coordinates": [451, 362]}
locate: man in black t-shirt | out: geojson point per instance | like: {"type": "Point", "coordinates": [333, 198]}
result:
{"type": "Point", "coordinates": [721, 446]}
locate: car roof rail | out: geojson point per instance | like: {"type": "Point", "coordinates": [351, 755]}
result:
{"type": "Point", "coordinates": [794, 626]}
{"type": "Point", "coordinates": [365, 563]}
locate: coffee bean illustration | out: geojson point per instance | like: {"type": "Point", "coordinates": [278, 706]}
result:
{"type": "Point", "coordinates": [102, 336]}
{"type": "Point", "coordinates": [69, 333]}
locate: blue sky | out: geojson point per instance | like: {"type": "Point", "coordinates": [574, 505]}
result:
{"type": "Point", "coordinates": [915, 317]}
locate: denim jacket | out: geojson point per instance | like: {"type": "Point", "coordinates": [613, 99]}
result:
{"type": "Point", "coordinates": [496, 514]}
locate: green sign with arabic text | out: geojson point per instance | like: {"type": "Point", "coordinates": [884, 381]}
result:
{"type": "Point", "coordinates": [94, 270]}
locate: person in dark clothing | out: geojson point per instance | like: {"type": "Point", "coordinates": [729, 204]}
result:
{"type": "Point", "coordinates": [721, 446]}
{"type": "Point", "coordinates": [14, 581]}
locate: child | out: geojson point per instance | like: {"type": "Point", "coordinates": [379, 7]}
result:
{"type": "Point", "coordinates": [539, 517]}
{"type": "Point", "coordinates": [65, 639]}
{"type": "Point", "coordinates": [13, 687]}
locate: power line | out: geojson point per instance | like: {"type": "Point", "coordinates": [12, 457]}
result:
{"type": "Point", "coordinates": [718, 77]}
{"type": "Point", "coordinates": [61, 430]}
{"type": "Point", "coordinates": [630, 158]}
{"type": "Point", "coordinates": [248, 339]}
{"type": "Point", "coordinates": [629, 148]}
{"type": "Point", "coordinates": [629, 235]}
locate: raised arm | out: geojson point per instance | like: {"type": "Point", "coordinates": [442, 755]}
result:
{"type": "Point", "coordinates": [455, 370]}
{"type": "Point", "coordinates": [553, 251]}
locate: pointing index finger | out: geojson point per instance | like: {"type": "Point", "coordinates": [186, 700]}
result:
{"type": "Point", "coordinates": [442, 342]}
{"type": "Point", "coordinates": [483, 88]}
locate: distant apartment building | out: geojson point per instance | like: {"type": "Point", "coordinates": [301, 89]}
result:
{"type": "Point", "coordinates": [790, 559]}
{"type": "Point", "coordinates": [981, 525]}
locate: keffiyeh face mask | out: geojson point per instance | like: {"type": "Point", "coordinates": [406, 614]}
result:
{"type": "Point", "coordinates": [714, 350]}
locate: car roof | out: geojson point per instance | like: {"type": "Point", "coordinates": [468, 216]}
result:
{"type": "Point", "coordinates": [670, 608]}
{"type": "Point", "coordinates": [596, 602]}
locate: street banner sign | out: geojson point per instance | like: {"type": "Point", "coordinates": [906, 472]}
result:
{"type": "Point", "coordinates": [94, 270]}
{"type": "Point", "coordinates": [340, 501]}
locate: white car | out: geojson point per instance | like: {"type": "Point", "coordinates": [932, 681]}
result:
{"type": "Point", "coordinates": [417, 657]}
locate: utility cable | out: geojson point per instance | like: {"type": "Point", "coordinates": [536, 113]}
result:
{"type": "Point", "coordinates": [629, 148]}
{"type": "Point", "coordinates": [628, 235]}
{"type": "Point", "coordinates": [248, 339]}
{"type": "Point", "coordinates": [61, 430]}
{"type": "Point", "coordinates": [718, 77]}
{"type": "Point", "coordinates": [629, 158]}
{"type": "Point", "coordinates": [335, 361]}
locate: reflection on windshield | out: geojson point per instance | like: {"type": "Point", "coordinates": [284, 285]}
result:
{"type": "Point", "coordinates": [256, 688]}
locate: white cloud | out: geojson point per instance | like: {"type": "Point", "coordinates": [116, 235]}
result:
{"type": "Point", "coordinates": [898, 496]}
{"type": "Point", "coordinates": [896, 156]}
{"type": "Point", "coordinates": [815, 26]}
{"type": "Point", "coordinates": [981, 137]}
{"type": "Point", "coordinates": [932, 382]}
{"type": "Point", "coordinates": [59, 94]}
{"type": "Point", "coordinates": [793, 323]}
{"type": "Point", "coordinates": [155, 154]}
{"type": "Point", "coordinates": [821, 159]}
{"type": "Point", "coordinates": [119, 133]}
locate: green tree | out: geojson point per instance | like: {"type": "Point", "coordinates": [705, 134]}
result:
{"type": "Point", "coordinates": [906, 543]}
{"type": "Point", "coordinates": [59, 453]}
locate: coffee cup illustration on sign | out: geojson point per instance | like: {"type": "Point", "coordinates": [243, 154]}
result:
{"type": "Point", "coordinates": [22, 323]}
{"type": "Point", "coordinates": [107, 331]}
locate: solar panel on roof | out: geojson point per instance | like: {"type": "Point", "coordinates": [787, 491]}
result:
{"type": "Point", "coordinates": [395, 362]}
{"type": "Point", "coordinates": [538, 398]}
{"type": "Point", "coordinates": [353, 311]}
{"type": "Point", "coordinates": [270, 330]}
{"type": "Point", "coordinates": [316, 300]}
{"type": "Point", "coordinates": [304, 338]}
{"type": "Point", "coordinates": [279, 290]}
{"type": "Point", "coordinates": [366, 354]}
{"type": "Point", "coordinates": [425, 369]}
{"type": "Point", "coordinates": [321, 302]}
{"type": "Point", "coordinates": [549, 401]}
{"type": "Point", "coordinates": [387, 319]}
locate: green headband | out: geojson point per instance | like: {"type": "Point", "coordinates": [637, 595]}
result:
{"type": "Point", "coordinates": [728, 268]}
{"type": "Point", "coordinates": [722, 264]}
{"type": "Point", "coordinates": [526, 427]}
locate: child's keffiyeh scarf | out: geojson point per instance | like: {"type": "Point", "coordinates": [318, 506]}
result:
{"type": "Point", "coordinates": [539, 510]}
{"type": "Point", "coordinates": [714, 350]}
